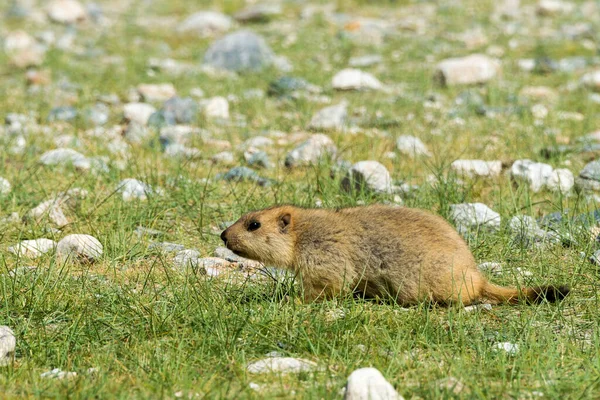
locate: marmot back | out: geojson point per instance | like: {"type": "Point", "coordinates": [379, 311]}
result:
{"type": "Point", "coordinates": [380, 251]}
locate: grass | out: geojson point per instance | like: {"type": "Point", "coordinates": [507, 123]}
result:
{"type": "Point", "coordinates": [151, 331]}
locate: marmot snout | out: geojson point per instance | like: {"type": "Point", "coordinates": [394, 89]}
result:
{"type": "Point", "coordinates": [407, 254]}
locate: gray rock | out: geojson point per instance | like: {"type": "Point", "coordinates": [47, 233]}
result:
{"type": "Point", "coordinates": [289, 85]}
{"type": "Point", "coordinates": [330, 118]}
{"type": "Point", "coordinates": [206, 23]}
{"type": "Point", "coordinates": [215, 107]}
{"type": "Point", "coordinates": [81, 247]}
{"type": "Point", "coordinates": [65, 156]}
{"type": "Point", "coordinates": [536, 175]}
{"type": "Point", "coordinates": [473, 168]}
{"type": "Point", "coordinates": [369, 384]}
{"type": "Point", "coordinates": [243, 174]}
{"type": "Point", "coordinates": [97, 115]}
{"type": "Point", "coordinates": [591, 171]}
{"type": "Point", "coordinates": [595, 258]}
{"type": "Point", "coordinates": [23, 50]}
{"type": "Point", "coordinates": [66, 11]}
{"type": "Point", "coordinates": [365, 61]}
{"type": "Point", "coordinates": [369, 175]}
{"type": "Point", "coordinates": [180, 110]}
{"type": "Point", "coordinates": [239, 51]}
{"type": "Point", "coordinates": [474, 215]}
{"type": "Point", "coordinates": [228, 255]}
{"type": "Point", "coordinates": [178, 150]}
{"type": "Point", "coordinates": [412, 146]}
{"type": "Point", "coordinates": [224, 157]}
{"type": "Point", "coordinates": [142, 231]}
{"type": "Point", "coordinates": [258, 159]}
{"type": "Point", "coordinates": [355, 79]}
{"type": "Point", "coordinates": [473, 69]}
{"type": "Point", "coordinates": [5, 187]}
{"type": "Point", "coordinates": [489, 267]}
{"type": "Point", "coordinates": [152, 92]}
{"type": "Point", "coordinates": [62, 114]}
{"type": "Point", "coordinates": [166, 247]}
{"type": "Point", "coordinates": [52, 209]}
{"type": "Point", "coordinates": [561, 180]}
{"type": "Point", "coordinates": [32, 248]}
{"type": "Point", "coordinates": [187, 258]}
{"type": "Point", "coordinates": [138, 112]}
{"type": "Point", "coordinates": [133, 189]}
{"type": "Point", "coordinates": [137, 133]}
{"type": "Point", "coordinates": [8, 343]}
{"type": "Point", "coordinates": [258, 12]}
{"type": "Point", "coordinates": [314, 149]}
{"type": "Point", "coordinates": [281, 365]}
{"type": "Point", "coordinates": [59, 374]}
{"type": "Point", "coordinates": [257, 142]}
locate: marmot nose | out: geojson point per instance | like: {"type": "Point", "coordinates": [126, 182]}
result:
{"type": "Point", "coordinates": [224, 236]}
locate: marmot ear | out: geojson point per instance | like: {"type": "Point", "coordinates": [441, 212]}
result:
{"type": "Point", "coordinates": [284, 221]}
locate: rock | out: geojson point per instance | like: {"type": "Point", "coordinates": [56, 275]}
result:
{"type": "Point", "coordinates": [290, 86]}
{"type": "Point", "coordinates": [187, 258]}
{"type": "Point", "coordinates": [215, 107]}
{"type": "Point", "coordinates": [369, 175]}
{"type": "Point", "coordinates": [369, 384]}
{"type": "Point", "coordinates": [316, 148]}
{"type": "Point", "coordinates": [258, 12]}
{"type": "Point", "coordinates": [474, 168]}
{"type": "Point", "coordinates": [243, 174]}
{"type": "Point", "coordinates": [23, 50]}
{"type": "Point", "coordinates": [536, 175]}
{"type": "Point", "coordinates": [527, 232]}
{"type": "Point", "coordinates": [81, 247]}
{"type": "Point", "coordinates": [178, 110]}
{"type": "Point", "coordinates": [257, 142]}
{"type": "Point", "coordinates": [166, 247]}
{"type": "Point", "coordinates": [538, 94]}
{"type": "Point", "coordinates": [330, 118]}
{"type": "Point", "coordinates": [239, 51]}
{"type": "Point", "coordinates": [281, 365]}
{"type": "Point", "coordinates": [52, 209]}
{"type": "Point", "coordinates": [57, 373]}
{"type": "Point", "coordinates": [411, 146]}
{"type": "Point", "coordinates": [179, 150]}
{"type": "Point", "coordinates": [479, 307]}
{"type": "Point", "coordinates": [143, 231]}
{"type": "Point", "coordinates": [132, 189]}
{"type": "Point", "coordinates": [509, 348]}
{"type": "Point", "coordinates": [5, 187]}
{"type": "Point", "coordinates": [365, 61]}
{"type": "Point", "coordinates": [138, 112]}
{"type": "Point", "coordinates": [224, 157]}
{"type": "Point", "coordinates": [97, 115]}
{"type": "Point", "coordinates": [561, 180]}
{"type": "Point", "coordinates": [32, 248]}
{"type": "Point", "coordinates": [157, 92]}
{"type": "Point", "coordinates": [8, 343]}
{"type": "Point", "coordinates": [473, 215]}
{"type": "Point", "coordinates": [257, 158]}
{"type": "Point", "coordinates": [62, 114]}
{"type": "Point", "coordinates": [493, 268]}
{"type": "Point", "coordinates": [473, 69]}
{"type": "Point", "coordinates": [553, 7]}
{"type": "Point", "coordinates": [355, 79]}
{"type": "Point", "coordinates": [66, 11]}
{"type": "Point", "coordinates": [137, 133]}
{"type": "Point", "coordinates": [226, 254]}
{"type": "Point", "coordinates": [206, 23]}
{"type": "Point", "coordinates": [591, 80]}
{"type": "Point", "coordinates": [64, 156]}
{"type": "Point", "coordinates": [451, 384]}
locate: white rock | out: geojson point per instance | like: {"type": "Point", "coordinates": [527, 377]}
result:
{"type": "Point", "coordinates": [282, 365]}
{"type": "Point", "coordinates": [315, 148]}
{"type": "Point", "coordinates": [539, 111]}
{"type": "Point", "coordinates": [330, 118]}
{"type": "Point", "coordinates": [554, 7]}
{"type": "Point", "coordinates": [8, 343]}
{"type": "Point", "coordinates": [355, 79]}
{"type": "Point", "coordinates": [79, 246]}
{"type": "Point", "coordinates": [257, 142]}
{"type": "Point", "coordinates": [5, 187]}
{"type": "Point", "coordinates": [473, 69]}
{"type": "Point", "coordinates": [473, 168]}
{"type": "Point", "coordinates": [132, 189]}
{"type": "Point", "coordinates": [138, 112]}
{"type": "Point", "coordinates": [591, 80]}
{"type": "Point", "coordinates": [509, 348]}
{"type": "Point", "coordinates": [32, 248]}
{"type": "Point", "coordinates": [371, 175]}
{"type": "Point", "coordinates": [561, 180]}
{"type": "Point", "coordinates": [494, 268]}
{"type": "Point", "coordinates": [369, 384]}
{"type": "Point", "coordinates": [57, 373]}
{"type": "Point", "coordinates": [206, 23]}
{"type": "Point", "coordinates": [215, 107]}
{"type": "Point", "coordinates": [411, 146]}
{"type": "Point", "coordinates": [66, 11]}
{"type": "Point", "coordinates": [479, 307]}
{"type": "Point", "coordinates": [224, 157]}
{"type": "Point", "coordinates": [472, 215]}
{"type": "Point", "coordinates": [536, 175]}
{"type": "Point", "coordinates": [64, 156]}
{"type": "Point", "coordinates": [23, 50]}
{"type": "Point", "coordinates": [157, 92]}
{"type": "Point", "coordinates": [187, 258]}
{"type": "Point", "coordinates": [365, 61]}
{"type": "Point", "coordinates": [52, 209]}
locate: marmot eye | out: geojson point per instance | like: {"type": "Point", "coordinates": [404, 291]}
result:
{"type": "Point", "coordinates": [252, 226]}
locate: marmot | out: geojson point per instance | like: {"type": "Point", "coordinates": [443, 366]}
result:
{"type": "Point", "coordinates": [376, 251]}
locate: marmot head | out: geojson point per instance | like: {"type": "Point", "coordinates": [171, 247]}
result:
{"type": "Point", "coordinates": [264, 236]}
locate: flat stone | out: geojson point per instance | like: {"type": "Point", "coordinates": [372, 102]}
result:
{"type": "Point", "coordinates": [138, 112]}
{"type": "Point", "coordinates": [224, 157]}
{"type": "Point", "coordinates": [365, 61]}
{"type": "Point", "coordinates": [206, 23]}
{"type": "Point", "coordinates": [473, 215]}
{"type": "Point", "coordinates": [261, 12]}
{"type": "Point", "coordinates": [156, 92]}
{"type": "Point", "coordinates": [536, 175]}
{"type": "Point", "coordinates": [355, 79]}
{"type": "Point", "coordinates": [330, 118]}
{"type": "Point", "coordinates": [369, 384]}
{"type": "Point", "coordinates": [65, 156]}
{"type": "Point", "coordinates": [369, 175]}
{"type": "Point", "coordinates": [313, 150]}
{"type": "Point", "coordinates": [187, 258]}
{"type": "Point", "coordinates": [242, 50]}
{"type": "Point", "coordinates": [66, 11]}
{"type": "Point", "coordinates": [8, 344]}
{"type": "Point", "coordinates": [280, 365]}
{"type": "Point", "coordinates": [79, 246]}
{"type": "Point", "coordinates": [215, 107]}
{"type": "Point", "coordinates": [411, 146]}
{"type": "Point", "coordinates": [473, 69]}
{"type": "Point", "coordinates": [477, 168]}
{"type": "Point", "coordinates": [32, 248]}
{"type": "Point", "coordinates": [166, 247]}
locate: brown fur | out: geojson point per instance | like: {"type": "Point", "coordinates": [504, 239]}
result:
{"type": "Point", "coordinates": [377, 251]}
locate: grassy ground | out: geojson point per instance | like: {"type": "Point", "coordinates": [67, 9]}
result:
{"type": "Point", "coordinates": [151, 331]}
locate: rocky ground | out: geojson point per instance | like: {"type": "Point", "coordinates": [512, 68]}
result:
{"type": "Point", "coordinates": [136, 131]}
